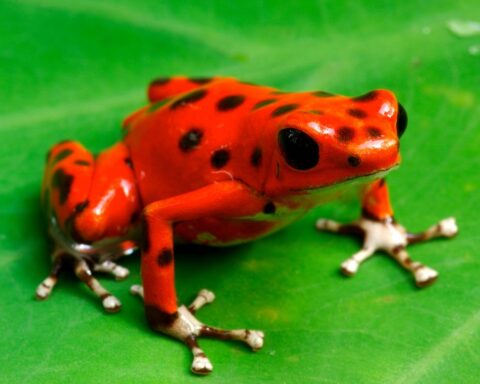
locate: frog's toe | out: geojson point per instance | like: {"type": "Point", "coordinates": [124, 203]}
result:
{"type": "Point", "coordinates": [108, 266]}
{"type": "Point", "coordinates": [255, 339]}
{"type": "Point", "coordinates": [201, 365]}
{"type": "Point", "coordinates": [448, 227]}
{"type": "Point", "coordinates": [444, 228]}
{"type": "Point", "coordinates": [425, 276]}
{"type": "Point", "coordinates": [137, 290]}
{"type": "Point", "coordinates": [111, 304]}
{"type": "Point", "coordinates": [327, 225]}
{"type": "Point", "coordinates": [349, 267]}
{"type": "Point", "coordinates": [45, 288]}
{"type": "Point", "coordinates": [204, 297]}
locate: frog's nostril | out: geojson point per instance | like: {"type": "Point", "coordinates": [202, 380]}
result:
{"type": "Point", "coordinates": [402, 120]}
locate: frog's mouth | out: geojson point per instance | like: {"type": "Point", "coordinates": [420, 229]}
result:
{"type": "Point", "coordinates": [351, 181]}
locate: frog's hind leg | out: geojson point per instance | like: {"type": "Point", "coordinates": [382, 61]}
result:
{"type": "Point", "coordinates": [91, 205]}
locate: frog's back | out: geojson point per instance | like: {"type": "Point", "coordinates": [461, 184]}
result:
{"type": "Point", "coordinates": [195, 133]}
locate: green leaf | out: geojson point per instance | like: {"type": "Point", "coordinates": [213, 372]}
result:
{"type": "Point", "coordinates": [75, 69]}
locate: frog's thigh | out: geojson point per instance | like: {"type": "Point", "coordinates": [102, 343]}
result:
{"type": "Point", "coordinates": [112, 202]}
{"type": "Point", "coordinates": [90, 198]}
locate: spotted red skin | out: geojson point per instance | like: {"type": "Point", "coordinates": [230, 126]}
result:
{"type": "Point", "coordinates": [154, 137]}
{"type": "Point", "coordinates": [204, 139]}
{"type": "Point", "coordinates": [181, 146]}
{"type": "Point", "coordinates": [94, 198]}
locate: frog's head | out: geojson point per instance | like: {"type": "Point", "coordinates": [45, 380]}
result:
{"type": "Point", "coordinates": [335, 139]}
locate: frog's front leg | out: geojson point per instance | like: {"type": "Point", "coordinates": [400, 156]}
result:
{"type": "Point", "coordinates": [380, 231]}
{"type": "Point", "coordinates": [225, 199]}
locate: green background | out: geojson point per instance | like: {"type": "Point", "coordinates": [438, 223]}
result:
{"type": "Point", "coordinates": [75, 69]}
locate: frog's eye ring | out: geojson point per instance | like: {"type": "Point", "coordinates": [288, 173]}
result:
{"type": "Point", "coordinates": [402, 120]}
{"type": "Point", "coordinates": [300, 151]}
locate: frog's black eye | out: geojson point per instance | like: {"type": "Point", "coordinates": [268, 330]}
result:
{"type": "Point", "coordinates": [299, 150]}
{"type": "Point", "coordinates": [402, 120]}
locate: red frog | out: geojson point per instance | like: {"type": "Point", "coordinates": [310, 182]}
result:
{"type": "Point", "coordinates": [217, 161]}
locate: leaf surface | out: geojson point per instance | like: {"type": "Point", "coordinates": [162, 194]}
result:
{"type": "Point", "coordinates": [75, 69]}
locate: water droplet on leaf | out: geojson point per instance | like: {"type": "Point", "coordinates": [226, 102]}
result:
{"type": "Point", "coordinates": [474, 50]}
{"type": "Point", "coordinates": [464, 28]}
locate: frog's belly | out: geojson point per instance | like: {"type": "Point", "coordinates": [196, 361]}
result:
{"type": "Point", "coordinates": [222, 232]}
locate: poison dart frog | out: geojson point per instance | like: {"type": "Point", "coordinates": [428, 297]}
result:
{"type": "Point", "coordinates": [217, 161]}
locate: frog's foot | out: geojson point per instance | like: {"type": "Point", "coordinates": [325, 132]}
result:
{"type": "Point", "coordinates": [391, 237]}
{"type": "Point", "coordinates": [183, 325]}
{"type": "Point", "coordinates": [108, 266]}
{"type": "Point", "coordinates": [84, 273]}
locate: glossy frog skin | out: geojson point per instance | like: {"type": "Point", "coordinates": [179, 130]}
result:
{"type": "Point", "coordinates": [219, 162]}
